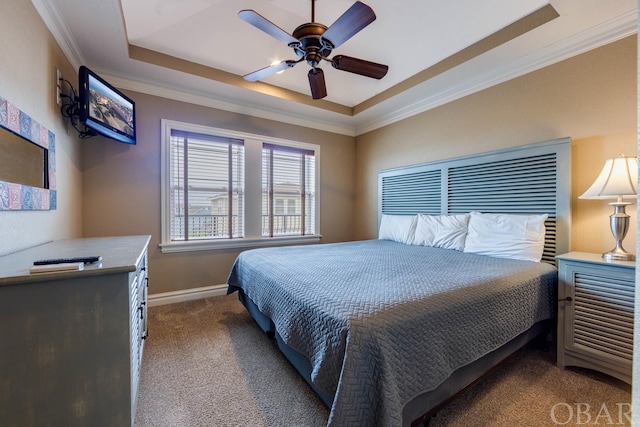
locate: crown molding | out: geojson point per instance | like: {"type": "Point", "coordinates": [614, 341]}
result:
{"type": "Point", "coordinates": [605, 33]}
{"type": "Point", "coordinates": [152, 88]}
{"type": "Point", "coordinates": [54, 21]}
{"type": "Point", "coordinates": [608, 32]}
{"type": "Point", "coordinates": [56, 24]}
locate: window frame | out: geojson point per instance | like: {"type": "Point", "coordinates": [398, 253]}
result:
{"type": "Point", "coordinates": [278, 162]}
{"type": "Point", "coordinates": [253, 196]}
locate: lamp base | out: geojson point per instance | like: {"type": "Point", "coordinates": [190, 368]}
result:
{"type": "Point", "coordinates": [619, 223]}
{"type": "Point", "coordinates": [618, 256]}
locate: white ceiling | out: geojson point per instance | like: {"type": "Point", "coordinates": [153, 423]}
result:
{"type": "Point", "coordinates": [409, 36]}
{"type": "Point", "coordinates": [209, 32]}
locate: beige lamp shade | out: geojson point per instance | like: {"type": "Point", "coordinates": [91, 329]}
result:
{"type": "Point", "coordinates": [619, 177]}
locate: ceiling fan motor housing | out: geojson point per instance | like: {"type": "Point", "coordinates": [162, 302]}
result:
{"type": "Point", "coordinates": [311, 47]}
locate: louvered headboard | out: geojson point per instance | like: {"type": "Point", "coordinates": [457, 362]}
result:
{"type": "Point", "coordinates": [532, 179]}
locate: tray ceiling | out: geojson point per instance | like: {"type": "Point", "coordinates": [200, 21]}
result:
{"type": "Point", "coordinates": [198, 51]}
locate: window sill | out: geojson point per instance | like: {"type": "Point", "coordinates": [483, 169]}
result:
{"type": "Point", "coordinates": [206, 245]}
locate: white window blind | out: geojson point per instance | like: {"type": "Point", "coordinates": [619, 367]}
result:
{"type": "Point", "coordinates": [215, 189]}
{"type": "Point", "coordinates": [288, 191]}
{"type": "Point", "coordinates": [206, 186]}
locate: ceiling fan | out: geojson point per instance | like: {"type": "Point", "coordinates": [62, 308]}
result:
{"type": "Point", "coordinates": [313, 42]}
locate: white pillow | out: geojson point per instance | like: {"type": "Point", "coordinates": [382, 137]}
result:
{"type": "Point", "coordinates": [506, 236]}
{"type": "Point", "coordinates": [399, 228]}
{"type": "Point", "coordinates": [441, 231]}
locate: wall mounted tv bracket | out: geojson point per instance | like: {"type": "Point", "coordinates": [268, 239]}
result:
{"type": "Point", "coordinates": [69, 105]}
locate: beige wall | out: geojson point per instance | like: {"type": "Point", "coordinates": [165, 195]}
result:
{"type": "Point", "coordinates": [29, 57]}
{"type": "Point", "coordinates": [114, 189]}
{"type": "Point", "coordinates": [122, 187]}
{"type": "Point", "coordinates": [590, 98]}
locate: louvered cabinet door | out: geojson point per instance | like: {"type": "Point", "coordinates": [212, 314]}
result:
{"type": "Point", "coordinates": [595, 314]}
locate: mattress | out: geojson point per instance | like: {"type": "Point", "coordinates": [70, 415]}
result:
{"type": "Point", "coordinates": [382, 322]}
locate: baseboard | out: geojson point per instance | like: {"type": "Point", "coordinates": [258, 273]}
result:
{"type": "Point", "coordinates": [187, 295]}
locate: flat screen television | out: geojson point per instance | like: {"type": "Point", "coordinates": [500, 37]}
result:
{"type": "Point", "coordinates": [105, 109]}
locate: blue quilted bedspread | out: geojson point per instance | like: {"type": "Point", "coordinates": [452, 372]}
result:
{"type": "Point", "coordinates": [382, 322]}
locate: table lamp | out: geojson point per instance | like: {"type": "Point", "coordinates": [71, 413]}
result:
{"type": "Point", "coordinates": [618, 179]}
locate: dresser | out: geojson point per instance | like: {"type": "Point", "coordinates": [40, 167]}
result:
{"type": "Point", "coordinates": [595, 313]}
{"type": "Point", "coordinates": [71, 342]}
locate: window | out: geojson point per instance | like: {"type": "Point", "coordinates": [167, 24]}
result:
{"type": "Point", "coordinates": [288, 178]}
{"type": "Point", "coordinates": [291, 207]}
{"type": "Point", "coordinates": [225, 189]}
{"type": "Point", "coordinates": [207, 182]}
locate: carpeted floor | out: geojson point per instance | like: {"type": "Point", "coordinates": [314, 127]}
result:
{"type": "Point", "coordinates": [207, 364]}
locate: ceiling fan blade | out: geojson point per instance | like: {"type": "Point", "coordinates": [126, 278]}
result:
{"type": "Point", "coordinates": [359, 66]}
{"type": "Point", "coordinates": [353, 20]}
{"type": "Point", "coordinates": [262, 23]}
{"type": "Point", "coordinates": [316, 82]}
{"type": "Point", "coordinates": [269, 71]}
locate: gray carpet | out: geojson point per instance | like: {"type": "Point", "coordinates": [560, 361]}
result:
{"type": "Point", "coordinates": [207, 364]}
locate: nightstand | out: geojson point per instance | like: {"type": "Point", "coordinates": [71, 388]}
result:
{"type": "Point", "coordinates": [595, 313]}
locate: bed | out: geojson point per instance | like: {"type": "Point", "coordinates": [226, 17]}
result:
{"type": "Point", "coordinates": [387, 330]}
